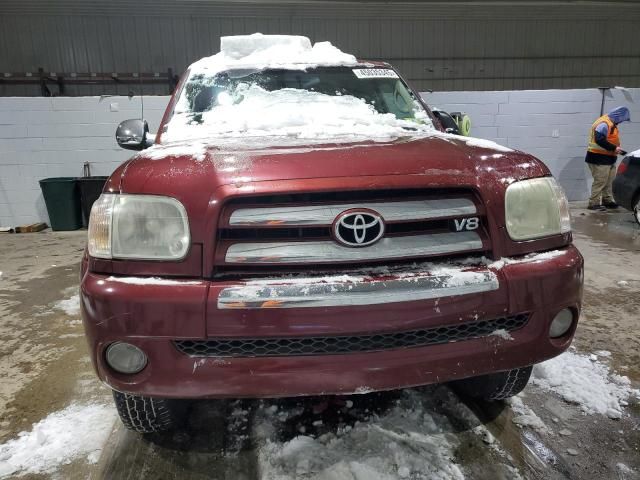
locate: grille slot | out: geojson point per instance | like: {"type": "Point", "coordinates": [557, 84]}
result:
{"type": "Point", "coordinates": [336, 345]}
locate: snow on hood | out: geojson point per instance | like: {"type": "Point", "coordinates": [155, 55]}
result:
{"type": "Point", "coordinates": [294, 113]}
{"type": "Point", "coordinates": [260, 51]}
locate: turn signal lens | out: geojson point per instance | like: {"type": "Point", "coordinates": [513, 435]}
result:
{"type": "Point", "coordinates": [100, 226]}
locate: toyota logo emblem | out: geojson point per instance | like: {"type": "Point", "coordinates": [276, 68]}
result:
{"type": "Point", "coordinates": [358, 228]}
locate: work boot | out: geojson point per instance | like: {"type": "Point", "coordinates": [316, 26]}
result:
{"type": "Point", "coordinates": [597, 208]}
{"type": "Point", "coordinates": [610, 204]}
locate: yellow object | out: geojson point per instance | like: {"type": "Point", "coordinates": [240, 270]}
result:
{"type": "Point", "coordinates": [463, 121]}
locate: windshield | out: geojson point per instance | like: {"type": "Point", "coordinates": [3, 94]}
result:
{"type": "Point", "coordinates": [315, 103]}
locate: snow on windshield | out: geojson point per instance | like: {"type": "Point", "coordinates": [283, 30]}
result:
{"type": "Point", "coordinates": [293, 113]}
{"type": "Point", "coordinates": [281, 86]}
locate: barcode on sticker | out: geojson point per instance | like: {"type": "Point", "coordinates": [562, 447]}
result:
{"type": "Point", "coordinates": [374, 73]}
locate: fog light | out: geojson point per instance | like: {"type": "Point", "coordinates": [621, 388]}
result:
{"type": "Point", "coordinates": [561, 323]}
{"type": "Point", "coordinates": [125, 358]}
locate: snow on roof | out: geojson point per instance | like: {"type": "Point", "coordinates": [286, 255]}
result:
{"type": "Point", "coordinates": [271, 51]}
{"type": "Point", "coordinates": [635, 153]}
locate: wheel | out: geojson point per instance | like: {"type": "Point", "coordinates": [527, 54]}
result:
{"type": "Point", "coordinates": [495, 386]}
{"type": "Point", "coordinates": [146, 414]}
{"type": "Point", "coordinates": [636, 210]}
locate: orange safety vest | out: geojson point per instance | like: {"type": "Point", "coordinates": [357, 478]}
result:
{"type": "Point", "coordinates": [612, 136]}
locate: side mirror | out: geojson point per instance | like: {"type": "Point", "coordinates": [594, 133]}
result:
{"type": "Point", "coordinates": [134, 135]}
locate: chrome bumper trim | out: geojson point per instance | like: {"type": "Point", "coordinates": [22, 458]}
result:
{"type": "Point", "coordinates": [276, 253]}
{"type": "Point", "coordinates": [325, 214]}
{"type": "Point", "coordinates": [340, 291]}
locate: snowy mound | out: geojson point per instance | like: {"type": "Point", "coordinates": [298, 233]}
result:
{"type": "Point", "coordinates": [587, 382]}
{"type": "Point", "coordinates": [271, 51]}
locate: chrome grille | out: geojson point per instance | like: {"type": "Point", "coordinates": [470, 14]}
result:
{"type": "Point", "coordinates": [294, 230]}
{"type": "Point", "coordinates": [337, 345]}
{"type": "Point", "coordinates": [325, 214]}
{"type": "Point", "coordinates": [331, 252]}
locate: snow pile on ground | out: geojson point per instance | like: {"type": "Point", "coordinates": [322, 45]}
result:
{"type": "Point", "coordinates": [70, 306]}
{"type": "Point", "coordinates": [406, 442]}
{"type": "Point", "coordinates": [587, 382]}
{"type": "Point", "coordinates": [298, 113]}
{"type": "Point", "coordinates": [75, 432]}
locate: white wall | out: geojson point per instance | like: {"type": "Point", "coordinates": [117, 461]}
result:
{"type": "Point", "coordinates": [52, 137]}
{"type": "Point", "coordinates": [553, 125]}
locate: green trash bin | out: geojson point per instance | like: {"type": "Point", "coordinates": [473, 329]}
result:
{"type": "Point", "coordinates": [62, 198]}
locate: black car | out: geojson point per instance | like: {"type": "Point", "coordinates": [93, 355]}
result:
{"type": "Point", "coordinates": [626, 186]}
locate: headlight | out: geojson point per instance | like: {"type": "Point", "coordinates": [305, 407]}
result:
{"type": "Point", "coordinates": [536, 208]}
{"type": "Point", "coordinates": [144, 227]}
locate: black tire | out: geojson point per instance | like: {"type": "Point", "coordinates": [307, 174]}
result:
{"type": "Point", "coordinates": [495, 386]}
{"type": "Point", "coordinates": [636, 209]}
{"type": "Point", "coordinates": [148, 415]}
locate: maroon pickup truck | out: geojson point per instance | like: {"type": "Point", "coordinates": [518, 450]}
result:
{"type": "Point", "coordinates": [310, 230]}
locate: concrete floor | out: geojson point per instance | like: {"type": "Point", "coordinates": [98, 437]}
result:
{"type": "Point", "coordinates": [44, 367]}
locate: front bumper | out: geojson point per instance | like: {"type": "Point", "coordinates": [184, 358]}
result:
{"type": "Point", "coordinates": [153, 315]}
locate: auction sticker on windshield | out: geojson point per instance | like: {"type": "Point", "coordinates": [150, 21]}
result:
{"type": "Point", "coordinates": [375, 73]}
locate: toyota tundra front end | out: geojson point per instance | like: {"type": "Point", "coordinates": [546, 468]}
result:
{"type": "Point", "coordinates": [304, 227]}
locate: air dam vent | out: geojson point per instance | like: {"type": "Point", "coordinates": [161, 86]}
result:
{"type": "Point", "coordinates": [338, 345]}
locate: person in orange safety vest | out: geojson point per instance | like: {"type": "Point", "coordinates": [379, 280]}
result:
{"type": "Point", "coordinates": [602, 153]}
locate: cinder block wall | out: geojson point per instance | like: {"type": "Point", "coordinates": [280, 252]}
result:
{"type": "Point", "coordinates": [553, 125]}
{"type": "Point", "coordinates": [52, 137]}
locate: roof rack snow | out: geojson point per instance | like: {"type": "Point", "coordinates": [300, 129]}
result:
{"type": "Point", "coordinates": [272, 51]}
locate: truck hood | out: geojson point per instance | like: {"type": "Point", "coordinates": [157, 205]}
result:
{"type": "Point", "coordinates": [179, 169]}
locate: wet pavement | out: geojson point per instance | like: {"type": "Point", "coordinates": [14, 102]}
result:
{"type": "Point", "coordinates": [427, 432]}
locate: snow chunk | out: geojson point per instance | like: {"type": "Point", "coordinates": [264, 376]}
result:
{"type": "Point", "coordinates": [588, 383]}
{"type": "Point", "coordinates": [196, 150]}
{"type": "Point", "coordinates": [258, 51]}
{"type": "Point", "coordinates": [479, 142]}
{"type": "Point", "coordinates": [524, 416]}
{"type": "Point", "coordinates": [151, 281]}
{"type": "Point", "coordinates": [75, 432]}
{"type": "Point", "coordinates": [406, 442]}
{"type": "Point", "coordinates": [529, 258]}
{"type": "Point", "coordinates": [70, 306]}
{"type": "Point", "coordinates": [502, 333]}
{"type": "Point", "coordinates": [482, 143]}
